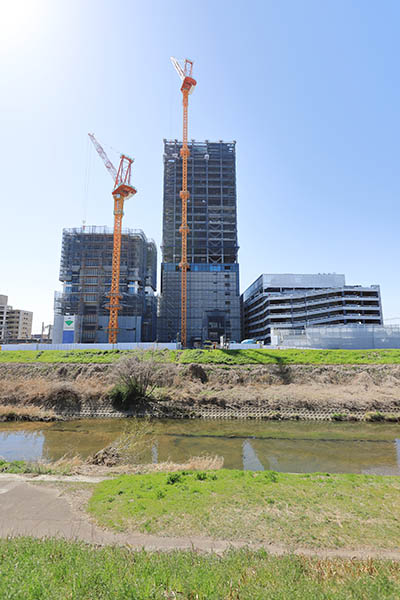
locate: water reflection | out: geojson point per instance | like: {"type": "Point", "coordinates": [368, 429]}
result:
{"type": "Point", "coordinates": [289, 447]}
{"type": "Point", "coordinates": [154, 453]}
{"type": "Point", "coordinates": [21, 445]}
{"type": "Point", "coordinates": [251, 461]}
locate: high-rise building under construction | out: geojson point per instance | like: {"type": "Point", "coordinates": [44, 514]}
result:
{"type": "Point", "coordinates": [81, 309]}
{"type": "Point", "coordinates": [213, 300]}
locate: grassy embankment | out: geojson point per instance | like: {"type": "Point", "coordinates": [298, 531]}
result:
{"type": "Point", "coordinates": [216, 357]}
{"type": "Point", "coordinates": [311, 510]}
{"type": "Point", "coordinates": [56, 569]}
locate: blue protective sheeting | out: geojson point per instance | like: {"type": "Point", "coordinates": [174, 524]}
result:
{"type": "Point", "coordinates": [68, 337]}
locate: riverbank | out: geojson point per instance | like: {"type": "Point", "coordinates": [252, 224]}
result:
{"type": "Point", "coordinates": [275, 391]}
{"type": "Point", "coordinates": [317, 514]}
{"type": "Point", "coordinates": [206, 357]}
{"type": "Point", "coordinates": [312, 510]}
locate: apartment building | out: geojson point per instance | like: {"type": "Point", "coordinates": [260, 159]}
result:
{"type": "Point", "coordinates": [15, 324]}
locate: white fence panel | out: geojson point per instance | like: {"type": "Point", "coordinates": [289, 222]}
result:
{"type": "Point", "coordinates": [65, 347]}
{"type": "Point", "coordinates": [245, 346]}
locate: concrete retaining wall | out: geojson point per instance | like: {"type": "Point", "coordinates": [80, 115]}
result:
{"type": "Point", "coordinates": [243, 413]}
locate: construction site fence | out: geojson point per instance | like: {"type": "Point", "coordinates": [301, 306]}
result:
{"type": "Point", "coordinates": [121, 346]}
{"type": "Point", "coordinates": [346, 337]}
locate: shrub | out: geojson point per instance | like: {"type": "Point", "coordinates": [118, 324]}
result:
{"type": "Point", "coordinates": [135, 378]}
{"type": "Point", "coordinates": [374, 416]}
{"type": "Point", "coordinates": [338, 417]}
{"type": "Point", "coordinates": [123, 397]}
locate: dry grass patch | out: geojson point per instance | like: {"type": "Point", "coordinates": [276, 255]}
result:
{"type": "Point", "coordinates": [25, 413]}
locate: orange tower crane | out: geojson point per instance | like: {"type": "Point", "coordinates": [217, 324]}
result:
{"type": "Point", "coordinates": [188, 84]}
{"type": "Point", "coordinates": [123, 190]}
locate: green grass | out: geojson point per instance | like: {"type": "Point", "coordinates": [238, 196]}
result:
{"type": "Point", "coordinates": [23, 466]}
{"type": "Point", "coordinates": [20, 466]}
{"type": "Point", "coordinates": [317, 510]}
{"type": "Point", "coordinates": [290, 356]}
{"type": "Point", "coordinates": [60, 356]}
{"type": "Point", "coordinates": [58, 570]}
{"type": "Point", "coordinates": [216, 357]}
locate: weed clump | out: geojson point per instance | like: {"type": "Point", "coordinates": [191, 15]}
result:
{"type": "Point", "coordinates": [129, 448]}
{"type": "Point", "coordinates": [374, 416]}
{"type": "Point", "coordinates": [174, 478]}
{"type": "Point", "coordinates": [136, 379]}
{"type": "Point", "coordinates": [271, 476]}
{"type": "Point", "coordinates": [339, 417]}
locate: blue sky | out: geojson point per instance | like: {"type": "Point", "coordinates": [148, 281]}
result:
{"type": "Point", "coordinates": [308, 89]}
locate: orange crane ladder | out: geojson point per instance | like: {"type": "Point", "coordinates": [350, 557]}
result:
{"type": "Point", "coordinates": [123, 190]}
{"type": "Point", "coordinates": [188, 83]}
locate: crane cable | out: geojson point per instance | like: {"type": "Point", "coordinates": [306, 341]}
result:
{"type": "Point", "coordinates": [86, 183]}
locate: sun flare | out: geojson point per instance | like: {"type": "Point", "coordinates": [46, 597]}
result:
{"type": "Point", "coordinates": [20, 20]}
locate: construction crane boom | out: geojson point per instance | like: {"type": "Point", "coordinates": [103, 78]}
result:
{"type": "Point", "coordinates": [188, 84]}
{"type": "Point", "coordinates": [108, 164]}
{"type": "Point", "coordinates": [123, 190]}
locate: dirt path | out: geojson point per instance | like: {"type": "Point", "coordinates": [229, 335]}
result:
{"type": "Point", "coordinates": [46, 511]}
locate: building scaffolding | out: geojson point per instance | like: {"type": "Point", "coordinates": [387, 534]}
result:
{"type": "Point", "coordinates": [86, 270]}
{"type": "Point", "coordinates": [213, 302]}
{"type": "Point", "coordinates": [212, 217]}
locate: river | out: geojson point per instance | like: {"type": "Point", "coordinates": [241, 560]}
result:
{"type": "Point", "coordinates": [297, 447]}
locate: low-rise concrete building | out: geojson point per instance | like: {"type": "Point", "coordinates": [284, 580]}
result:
{"type": "Point", "coordinates": [294, 302]}
{"type": "Point", "coordinates": [3, 315]}
{"type": "Point", "coordinates": [19, 324]}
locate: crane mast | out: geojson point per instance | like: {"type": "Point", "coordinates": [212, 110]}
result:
{"type": "Point", "coordinates": [123, 190]}
{"type": "Point", "coordinates": [188, 83]}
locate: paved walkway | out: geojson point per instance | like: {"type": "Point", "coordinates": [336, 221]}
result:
{"type": "Point", "coordinates": [42, 511]}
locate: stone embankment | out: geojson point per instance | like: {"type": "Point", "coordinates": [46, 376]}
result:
{"type": "Point", "coordinates": [277, 391]}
